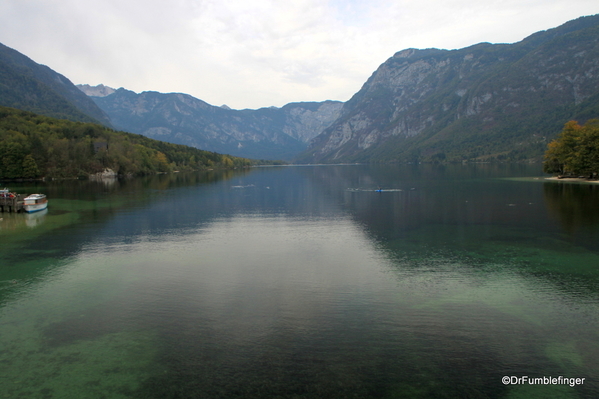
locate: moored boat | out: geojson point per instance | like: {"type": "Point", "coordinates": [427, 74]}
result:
{"type": "Point", "coordinates": [35, 202]}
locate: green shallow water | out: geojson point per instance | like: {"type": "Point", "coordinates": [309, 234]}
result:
{"type": "Point", "coordinates": [303, 282]}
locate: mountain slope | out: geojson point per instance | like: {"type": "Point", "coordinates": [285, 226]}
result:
{"type": "Point", "coordinates": [29, 86]}
{"type": "Point", "coordinates": [501, 101]}
{"type": "Point", "coordinates": [32, 146]}
{"type": "Point", "coordinates": [266, 133]}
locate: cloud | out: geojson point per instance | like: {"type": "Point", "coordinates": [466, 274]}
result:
{"type": "Point", "coordinates": [260, 52]}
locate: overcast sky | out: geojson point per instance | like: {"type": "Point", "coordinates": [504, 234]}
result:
{"type": "Point", "coordinates": [258, 53]}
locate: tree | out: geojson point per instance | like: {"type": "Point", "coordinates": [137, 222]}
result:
{"type": "Point", "coordinates": [161, 161]}
{"type": "Point", "coordinates": [575, 151]}
{"type": "Point", "coordinates": [30, 169]}
{"type": "Point", "coordinates": [227, 162]}
{"type": "Point", "coordinates": [11, 159]}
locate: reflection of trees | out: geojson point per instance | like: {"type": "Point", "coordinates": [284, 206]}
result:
{"type": "Point", "coordinates": [574, 205]}
{"type": "Point", "coordinates": [89, 190]}
{"type": "Point", "coordinates": [32, 240]}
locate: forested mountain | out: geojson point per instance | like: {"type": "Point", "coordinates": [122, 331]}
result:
{"type": "Point", "coordinates": [484, 102]}
{"type": "Point", "coordinates": [27, 85]}
{"type": "Point", "coordinates": [34, 146]}
{"type": "Point", "coordinates": [266, 133]}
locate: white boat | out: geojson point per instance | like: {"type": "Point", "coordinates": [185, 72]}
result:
{"type": "Point", "coordinates": [35, 202]}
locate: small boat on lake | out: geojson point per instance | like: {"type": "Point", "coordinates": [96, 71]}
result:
{"type": "Point", "coordinates": [35, 202]}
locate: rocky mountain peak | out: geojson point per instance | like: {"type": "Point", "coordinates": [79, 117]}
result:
{"type": "Point", "coordinates": [407, 53]}
{"type": "Point", "coordinates": [96, 91]}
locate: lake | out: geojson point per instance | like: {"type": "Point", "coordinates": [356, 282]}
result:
{"type": "Point", "coordinates": [456, 281]}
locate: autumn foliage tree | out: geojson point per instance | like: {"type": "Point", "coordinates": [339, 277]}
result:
{"type": "Point", "coordinates": [575, 151]}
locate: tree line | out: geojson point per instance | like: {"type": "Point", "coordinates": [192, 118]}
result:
{"type": "Point", "coordinates": [575, 152]}
{"type": "Point", "coordinates": [34, 146]}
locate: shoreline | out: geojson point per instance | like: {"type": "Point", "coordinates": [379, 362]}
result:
{"type": "Point", "coordinates": [572, 180]}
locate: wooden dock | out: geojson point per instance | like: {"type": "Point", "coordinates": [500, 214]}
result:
{"type": "Point", "coordinates": [14, 204]}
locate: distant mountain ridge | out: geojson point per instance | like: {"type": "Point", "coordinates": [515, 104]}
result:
{"type": "Point", "coordinates": [266, 133]}
{"type": "Point", "coordinates": [487, 101]}
{"type": "Point", "coordinates": [29, 86]}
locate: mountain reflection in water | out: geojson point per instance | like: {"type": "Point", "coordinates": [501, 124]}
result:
{"type": "Point", "coordinates": [304, 282]}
